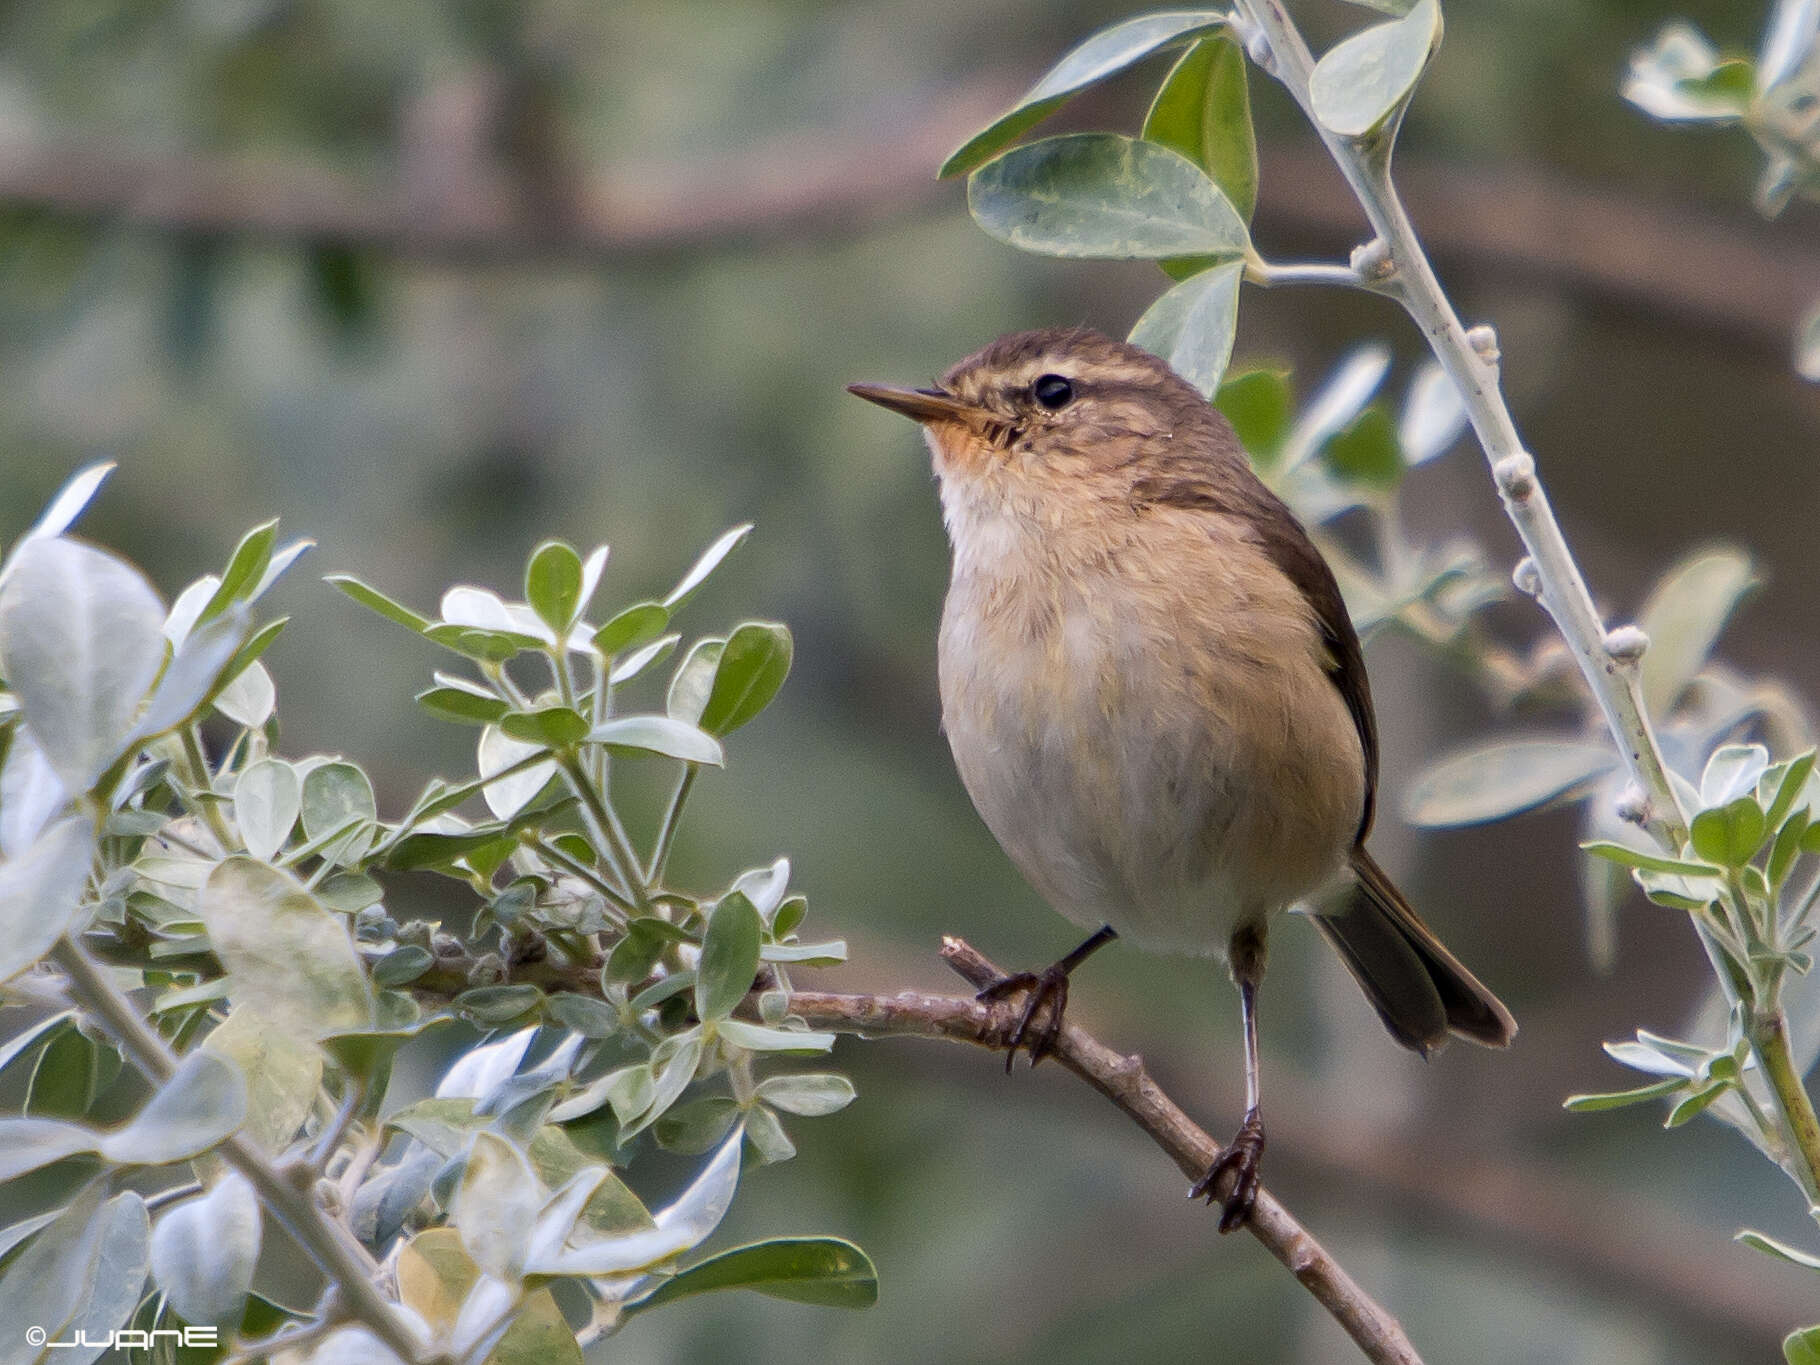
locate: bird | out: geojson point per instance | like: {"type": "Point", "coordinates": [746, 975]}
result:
{"type": "Point", "coordinates": [1155, 697]}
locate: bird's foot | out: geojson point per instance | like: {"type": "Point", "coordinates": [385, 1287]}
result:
{"type": "Point", "coordinates": [1240, 1160]}
{"type": "Point", "coordinates": [1041, 1022]}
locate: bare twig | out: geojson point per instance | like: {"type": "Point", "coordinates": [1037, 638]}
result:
{"type": "Point", "coordinates": [1123, 1080]}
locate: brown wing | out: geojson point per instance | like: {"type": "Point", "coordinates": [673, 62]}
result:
{"type": "Point", "coordinates": [1219, 478]}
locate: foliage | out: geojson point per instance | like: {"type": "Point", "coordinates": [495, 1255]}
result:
{"type": "Point", "coordinates": [1682, 78]}
{"type": "Point", "coordinates": [242, 900]}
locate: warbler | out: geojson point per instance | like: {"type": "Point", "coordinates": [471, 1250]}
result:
{"type": "Point", "coordinates": [1155, 696]}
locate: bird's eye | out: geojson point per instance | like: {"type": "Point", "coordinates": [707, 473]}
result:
{"type": "Point", "coordinates": [1053, 391]}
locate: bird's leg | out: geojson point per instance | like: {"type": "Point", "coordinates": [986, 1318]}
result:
{"type": "Point", "coordinates": [1246, 1150]}
{"type": "Point", "coordinates": [1048, 998]}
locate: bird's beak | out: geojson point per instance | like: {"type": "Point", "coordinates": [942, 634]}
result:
{"type": "Point", "coordinates": [919, 405]}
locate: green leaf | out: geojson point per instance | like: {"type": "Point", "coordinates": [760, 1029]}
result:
{"type": "Point", "coordinates": [81, 639]}
{"type": "Point", "coordinates": [673, 1067]}
{"type": "Point", "coordinates": [729, 957]}
{"type": "Point", "coordinates": [549, 727]}
{"type": "Point", "coordinates": [334, 794]}
{"type": "Point", "coordinates": [760, 1038]}
{"type": "Point", "coordinates": [203, 1252]}
{"type": "Point", "coordinates": [553, 584]}
{"type": "Point", "coordinates": [828, 954]}
{"type": "Point", "coordinates": [1783, 785]}
{"type": "Point", "coordinates": [283, 1071]}
{"type": "Point", "coordinates": [375, 600]}
{"type": "Point", "coordinates": [637, 625]}
{"type": "Point", "coordinates": [1105, 54]}
{"type": "Point", "coordinates": [1502, 778]}
{"type": "Point", "coordinates": [1802, 1346]}
{"type": "Point", "coordinates": [1769, 1246]}
{"type": "Point", "coordinates": [811, 1094]}
{"type": "Point", "coordinates": [1787, 847]}
{"type": "Point", "coordinates": [1618, 1099]}
{"type": "Point", "coordinates": [402, 965]}
{"type": "Point", "coordinates": [664, 736]}
{"type": "Point", "coordinates": [1103, 196]}
{"type": "Point", "coordinates": [1203, 111]}
{"type": "Point", "coordinates": [245, 569]}
{"type": "Point", "coordinates": [1358, 85]}
{"type": "Point", "coordinates": [1366, 451]}
{"type": "Point", "coordinates": [81, 1274]}
{"type": "Point", "coordinates": [697, 1126]}
{"type": "Point", "coordinates": [1192, 325]}
{"type": "Point", "coordinates": [1683, 617]}
{"type": "Point", "coordinates": [28, 1144]}
{"type": "Point", "coordinates": [497, 1006]}
{"type": "Point", "coordinates": [1732, 772]}
{"type": "Point", "coordinates": [69, 503]}
{"type": "Point", "coordinates": [1259, 406]}
{"type": "Point", "coordinates": [198, 1108]}
{"type": "Point", "coordinates": [459, 704]}
{"type": "Point", "coordinates": [693, 682]}
{"type": "Point", "coordinates": [1729, 835]}
{"type": "Point", "coordinates": [495, 1205]}
{"type": "Point", "coordinates": [1630, 857]}
{"type": "Point", "coordinates": [194, 672]}
{"type": "Point", "coordinates": [284, 950]}
{"type": "Point", "coordinates": [268, 797]}
{"type": "Point", "coordinates": [818, 1270]}
{"type": "Point", "coordinates": [709, 561]}
{"type": "Point", "coordinates": [752, 667]}
{"type": "Point", "coordinates": [41, 893]}
{"type": "Point", "coordinates": [582, 1014]}
{"type": "Point", "coordinates": [1695, 1104]}
{"type": "Point", "coordinates": [70, 1072]}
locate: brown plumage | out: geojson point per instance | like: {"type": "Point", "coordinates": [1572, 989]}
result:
{"type": "Point", "coordinates": [1153, 691]}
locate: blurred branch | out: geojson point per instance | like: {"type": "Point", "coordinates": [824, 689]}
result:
{"type": "Point", "coordinates": [1123, 1080]}
{"type": "Point", "coordinates": [1729, 272]}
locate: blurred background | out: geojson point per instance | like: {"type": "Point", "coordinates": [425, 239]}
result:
{"type": "Point", "coordinates": [435, 280]}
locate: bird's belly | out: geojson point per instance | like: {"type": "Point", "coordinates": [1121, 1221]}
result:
{"type": "Point", "coordinates": [1135, 783]}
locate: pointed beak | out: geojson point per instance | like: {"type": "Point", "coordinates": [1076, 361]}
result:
{"type": "Point", "coordinates": [919, 405]}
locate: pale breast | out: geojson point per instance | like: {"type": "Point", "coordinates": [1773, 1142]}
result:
{"type": "Point", "coordinates": [1152, 739]}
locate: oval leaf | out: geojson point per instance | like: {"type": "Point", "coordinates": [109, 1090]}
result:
{"type": "Point", "coordinates": [1358, 85]}
{"type": "Point", "coordinates": [200, 1106]}
{"type": "Point", "coordinates": [203, 1252]}
{"type": "Point", "coordinates": [1203, 111]}
{"type": "Point", "coordinates": [1107, 197]}
{"type": "Point", "coordinates": [267, 800]}
{"type": "Point", "coordinates": [81, 639]}
{"type": "Point", "coordinates": [1492, 781]}
{"type": "Point", "coordinates": [662, 735]}
{"type": "Point", "coordinates": [41, 892]}
{"type": "Point", "coordinates": [1683, 617]}
{"type": "Point", "coordinates": [707, 564]}
{"type": "Point", "coordinates": [282, 949]}
{"type": "Point", "coordinates": [729, 957]}
{"type": "Point", "coordinates": [818, 1270]}
{"type": "Point", "coordinates": [1192, 325]}
{"type": "Point", "coordinates": [553, 584]}
{"type": "Point", "coordinates": [1105, 54]}
{"type": "Point", "coordinates": [752, 667]}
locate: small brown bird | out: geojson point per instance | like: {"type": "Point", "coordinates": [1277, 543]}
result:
{"type": "Point", "coordinates": [1155, 696]}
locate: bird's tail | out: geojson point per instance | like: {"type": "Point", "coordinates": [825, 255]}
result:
{"type": "Point", "coordinates": [1418, 988]}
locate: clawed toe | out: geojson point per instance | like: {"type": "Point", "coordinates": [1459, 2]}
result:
{"type": "Point", "coordinates": [1040, 1024]}
{"type": "Point", "coordinates": [1240, 1160]}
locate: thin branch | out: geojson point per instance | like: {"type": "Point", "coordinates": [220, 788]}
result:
{"type": "Point", "coordinates": [1123, 1080]}
{"type": "Point", "coordinates": [1259, 271]}
{"type": "Point", "coordinates": [1396, 263]}
{"type": "Point", "coordinates": [336, 1254]}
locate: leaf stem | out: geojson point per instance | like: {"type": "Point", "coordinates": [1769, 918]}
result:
{"type": "Point", "coordinates": [666, 834]}
{"type": "Point", "coordinates": [603, 824]}
{"type": "Point", "coordinates": [1769, 1040]}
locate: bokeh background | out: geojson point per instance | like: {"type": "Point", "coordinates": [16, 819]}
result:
{"type": "Point", "coordinates": [435, 280]}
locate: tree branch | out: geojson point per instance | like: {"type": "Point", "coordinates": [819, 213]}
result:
{"type": "Point", "coordinates": [1123, 1080]}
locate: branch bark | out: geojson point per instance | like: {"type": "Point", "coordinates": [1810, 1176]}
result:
{"type": "Point", "coordinates": [1123, 1080]}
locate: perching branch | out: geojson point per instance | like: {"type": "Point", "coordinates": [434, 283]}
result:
{"type": "Point", "coordinates": [1123, 1080]}
{"type": "Point", "coordinates": [1396, 263]}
